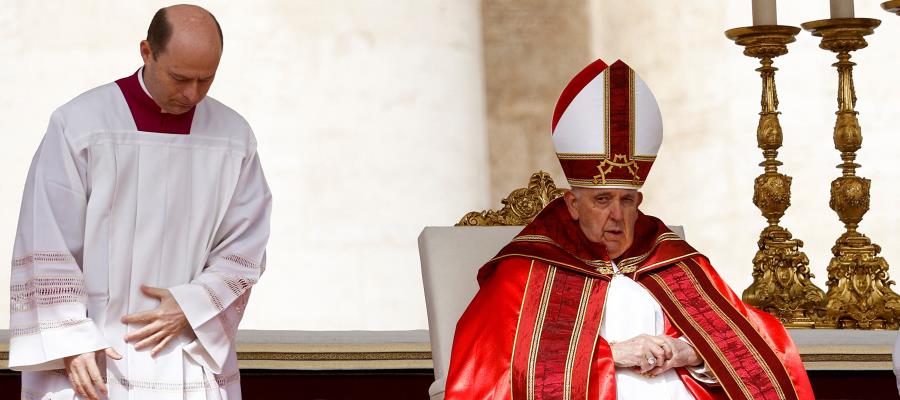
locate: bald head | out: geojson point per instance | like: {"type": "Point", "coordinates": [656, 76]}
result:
{"type": "Point", "coordinates": [181, 55]}
{"type": "Point", "coordinates": [183, 22]}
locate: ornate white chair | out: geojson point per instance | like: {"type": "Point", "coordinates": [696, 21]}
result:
{"type": "Point", "coordinates": [451, 257]}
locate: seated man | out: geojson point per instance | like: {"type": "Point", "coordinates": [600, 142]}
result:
{"type": "Point", "coordinates": [596, 300]}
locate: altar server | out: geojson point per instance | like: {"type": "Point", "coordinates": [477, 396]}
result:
{"type": "Point", "coordinates": [143, 226]}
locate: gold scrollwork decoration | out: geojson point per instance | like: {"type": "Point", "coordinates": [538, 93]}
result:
{"type": "Point", "coordinates": [859, 294]}
{"type": "Point", "coordinates": [521, 206]}
{"type": "Point", "coordinates": [782, 283]}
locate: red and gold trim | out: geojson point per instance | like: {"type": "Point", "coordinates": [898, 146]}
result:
{"type": "Point", "coordinates": [584, 341]}
{"type": "Point", "coordinates": [630, 171]}
{"type": "Point", "coordinates": [619, 105]}
{"type": "Point", "coordinates": [576, 335]}
{"type": "Point", "coordinates": [522, 358]}
{"type": "Point", "coordinates": [742, 361]}
{"type": "Point", "coordinates": [557, 352]}
{"type": "Point", "coordinates": [556, 334]}
{"type": "Point", "coordinates": [574, 87]}
{"type": "Point", "coordinates": [619, 165]}
{"type": "Point", "coordinates": [555, 238]}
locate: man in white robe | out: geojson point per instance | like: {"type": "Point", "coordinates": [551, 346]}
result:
{"type": "Point", "coordinates": [143, 226]}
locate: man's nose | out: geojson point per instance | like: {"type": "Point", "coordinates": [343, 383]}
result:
{"type": "Point", "coordinates": [191, 92]}
{"type": "Point", "coordinates": [615, 211]}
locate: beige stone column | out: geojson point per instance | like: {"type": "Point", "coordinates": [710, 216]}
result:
{"type": "Point", "coordinates": [531, 49]}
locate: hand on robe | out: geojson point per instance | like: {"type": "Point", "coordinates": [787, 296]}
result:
{"type": "Point", "coordinates": [162, 324]}
{"type": "Point", "coordinates": [666, 353]}
{"type": "Point", "coordinates": [84, 374]}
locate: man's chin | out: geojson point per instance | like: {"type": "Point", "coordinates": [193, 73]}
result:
{"type": "Point", "coordinates": [615, 247]}
{"type": "Point", "coordinates": [617, 238]}
{"type": "Point", "coordinates": [178, 110]}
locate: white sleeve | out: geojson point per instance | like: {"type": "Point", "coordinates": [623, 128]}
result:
{"type": "Point", "coordinates": [214, 302]}
{"type": "Point", "coordinates": [700, 372]}
{"type": "Point", "coordinates": [48, 312]}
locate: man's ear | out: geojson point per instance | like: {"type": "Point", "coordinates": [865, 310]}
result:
{"type": "Point", "coordinates": [570, 199]}
{"type": "Point", "coordinates": [146, 51]}
{"type": "Point", "coordinates": [640, 198]}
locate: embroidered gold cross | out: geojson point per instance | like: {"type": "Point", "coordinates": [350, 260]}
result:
{"type": "Point", "coordinates": [618, 161]}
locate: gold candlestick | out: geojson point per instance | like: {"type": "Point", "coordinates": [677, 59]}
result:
{"type": "Point", "coordinates": [781, 277]}
{"type": "Point", "coordinates": [859, 294]}
{"type": "Point", "coordinates": [892, 6]}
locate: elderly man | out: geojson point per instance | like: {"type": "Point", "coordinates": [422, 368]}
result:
{"type": "Point", "coordinates": [596, 300]}
{"type": "Point", "coordinates": [143, 226]}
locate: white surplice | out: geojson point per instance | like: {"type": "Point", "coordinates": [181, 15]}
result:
{"type": "Point", "coordinates": [108, 208]}
{"type": "Point", "coordinates": [631, 311]}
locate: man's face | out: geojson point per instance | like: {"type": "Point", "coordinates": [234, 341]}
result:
{"type": "Point", "coordinates": [179, 77]}
{"type": "Point", "coordinates": [606, 216]}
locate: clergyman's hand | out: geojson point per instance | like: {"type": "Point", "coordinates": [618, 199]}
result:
{"type": "Point", "coordinates": [161, 324]}
{"type": "Point", "coordinates": [643, 352]}
{"type": "Point", "coordinates": [84, 374]}
{"type": "Point", "coordinates": [683, 355]}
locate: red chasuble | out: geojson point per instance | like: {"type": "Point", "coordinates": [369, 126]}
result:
{"type": "Point", "coordinates": [532, 331]}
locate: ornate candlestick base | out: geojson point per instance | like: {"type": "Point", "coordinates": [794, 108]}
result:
{"type": "Point", "coordinates": [892, 6]}
{"type": "Point", "coordinates": [859, 294]}
{"type": "Point", "coordinates": [781, 281]}
{"type": "Point", "coordinates": [781, 278]}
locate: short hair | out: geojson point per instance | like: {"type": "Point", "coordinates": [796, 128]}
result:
{"type": "Point", "coordinates": [160, 31]}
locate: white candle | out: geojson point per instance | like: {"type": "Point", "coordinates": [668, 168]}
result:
{"type": "Point", "coordinates": [764, 12]}
{"type": "Point", "coordinates": [841, 8]}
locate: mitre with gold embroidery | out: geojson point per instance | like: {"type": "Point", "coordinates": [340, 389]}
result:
{"type": "Point", "coordinates": [607, 128]}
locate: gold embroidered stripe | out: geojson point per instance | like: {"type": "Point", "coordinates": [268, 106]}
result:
{"type": "Point", "coordinates": [604, 291]}
{"type": "Point", "coordinates": [664, 262]}
{"type": "Point", "coordinates": [631, 119]}
{"type": "Point", "coordinates": [518, 325]}
{"type": "Point", "coordinates": [538, 329]}
{"type": "Point", "coordinates": [599, 271]}
{"type": "Point", "coordinates": [545, 239]}
{"type": "Point", "coordinates": [632, 262]}
{"type": "Point", "coordinates": [576, 335]}
{"type": "Point", "coordinates": [605, 114]}
{"type": "Point", "coordinates": [628, 183]}
{"type": "Point", "coordinates": [740, 334]}
{"type": "Point", "coordinates": [598, 157]}
{"type": "Point", "coordinates": [718, 352]}
{"type": "Point", "coordinates": [576, 156]}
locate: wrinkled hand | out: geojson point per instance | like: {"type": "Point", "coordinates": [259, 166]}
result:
{"type": "Point", "coordinates": [665, 351]}
{"type": "Point", "coordinates": [84, 374]}
{"type": "Point", "coordinates": [162, 324]}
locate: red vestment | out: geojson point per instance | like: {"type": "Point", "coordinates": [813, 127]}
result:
{"type": "Point", "coordinates": [532, 331]}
